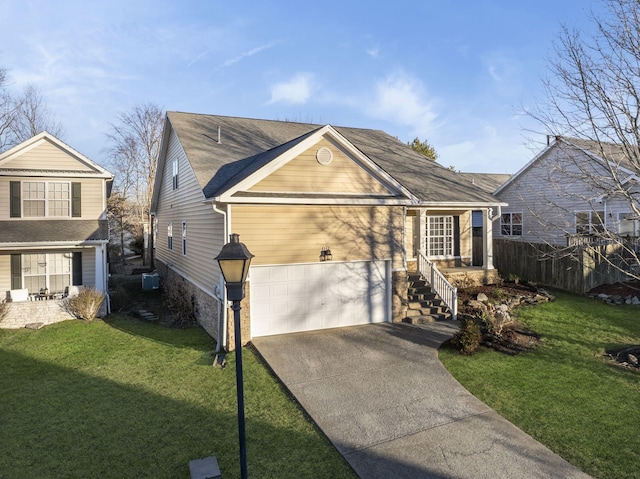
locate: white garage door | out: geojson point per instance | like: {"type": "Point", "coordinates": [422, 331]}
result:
{"type": "Point", "coordinates": [305, 297]}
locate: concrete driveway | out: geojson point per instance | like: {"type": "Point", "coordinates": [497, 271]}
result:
{"type": "Point", "coordinates": [385, 401]}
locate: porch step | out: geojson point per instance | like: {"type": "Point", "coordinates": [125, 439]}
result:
{"type": "Point", "coordinates": [424, 306]}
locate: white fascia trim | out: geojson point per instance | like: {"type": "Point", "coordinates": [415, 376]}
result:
{"type": "Point", "coordinates": [381, 175]}
{"type": "Point", "coordinates": [53, 245]}
{"type": "Point", "coordinates": [31, 143]}
{"type": "Point", "coordinates": [466, 206]}
{"type": "Point", "coordinates": [52, 174]}
{"type": "Point", "coordinates": [318, 201]}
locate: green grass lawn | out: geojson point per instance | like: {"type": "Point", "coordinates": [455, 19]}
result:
{"type": "Point", "coordinates": [564, 393]}
{"type": "Point", "coordinates": [125, 399]}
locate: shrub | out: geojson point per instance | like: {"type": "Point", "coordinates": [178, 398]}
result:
{"type": "Point", "coordinates": [86, 305]}
{"type": "Point", "coordinates": [467, 339]}
{"type": "Point", "coordinates": [119, 298]}
{"type": "Point", "coordinates": [179, 303]}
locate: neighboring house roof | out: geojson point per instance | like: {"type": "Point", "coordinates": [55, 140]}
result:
{"type": "Point", "coordinates": [85, 167]}
{"type": "Point", "coordinates": [489, 182]}
{"type": "Point", "coordinates": [223, 151]}
{"type": "Point", "coordinates": [51, 231]}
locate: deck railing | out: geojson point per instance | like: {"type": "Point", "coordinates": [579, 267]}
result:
{"type": "Point", "coordinates": [439, 284]}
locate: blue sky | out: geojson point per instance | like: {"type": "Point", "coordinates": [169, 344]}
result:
{"type": "Point", "coordinates": [457, 73]}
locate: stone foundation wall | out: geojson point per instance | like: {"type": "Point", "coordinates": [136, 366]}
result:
{"type": "Point", "coordinates": [29, 312]}
{"type": "Point", "coordinates": [205, 308]}
{"type": "Point", "coordinates": [399, 296]}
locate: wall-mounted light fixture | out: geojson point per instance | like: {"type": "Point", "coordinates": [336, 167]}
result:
{"type": "Point", "coordinates": [325, 254]}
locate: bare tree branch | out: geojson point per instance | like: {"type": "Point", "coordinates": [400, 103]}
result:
{"type": "Point", "coordinates": [593, 95]}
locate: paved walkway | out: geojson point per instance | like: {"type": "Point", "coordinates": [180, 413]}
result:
{"type": "Point", "coordinates": [385, 401]}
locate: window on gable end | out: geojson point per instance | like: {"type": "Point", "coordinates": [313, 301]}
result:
{"type": "Point", "coordinates": [170, 235]}
{"type": "Point", "coordinates": [175, 174]}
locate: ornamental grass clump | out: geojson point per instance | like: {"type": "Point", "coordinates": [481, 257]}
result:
{"type": "Point", "coordinates": [86, 305]}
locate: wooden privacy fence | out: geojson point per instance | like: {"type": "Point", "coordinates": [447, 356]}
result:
{"type": "Point", "coordinates": [577, 269]}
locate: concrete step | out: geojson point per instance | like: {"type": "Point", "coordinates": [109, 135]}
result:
{"type": "Point", "coordinates": [425, 318]}
{"type": "Point", "coordinates": [424, 297]}
{"type": "Point", "coordinates": [148, 316]}
{"type": "Point", "coordinates": [417, 310]}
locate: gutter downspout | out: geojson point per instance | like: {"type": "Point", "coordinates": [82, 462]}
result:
{"type": "Point", "coordinates": [498, 215]}
{"type": "Point", "coordinates": [222, 291]}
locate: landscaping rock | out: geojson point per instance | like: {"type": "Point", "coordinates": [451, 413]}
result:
{"type": "Point", "coordinates": [37, 325]}
{"type": "Point", "coordinates": [483, 298]}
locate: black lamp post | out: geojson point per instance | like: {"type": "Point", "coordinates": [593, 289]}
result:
{"type": "Point", "coordinates": [234, 260]}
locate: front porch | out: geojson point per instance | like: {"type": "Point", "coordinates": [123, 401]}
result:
{"type": "Point", "coordinates": [465, 277]}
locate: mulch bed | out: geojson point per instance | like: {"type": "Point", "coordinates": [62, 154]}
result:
{"type": "Point", "coordinates": [515, 338]}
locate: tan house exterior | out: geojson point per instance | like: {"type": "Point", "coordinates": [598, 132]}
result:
{"type": "Point", "coordinates": [53, 224]}
{"type": "Point", "coordinates": [295, 192]}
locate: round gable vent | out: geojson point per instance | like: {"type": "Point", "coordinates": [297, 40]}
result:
{"type": "Point", "coordinates": [324, 156]}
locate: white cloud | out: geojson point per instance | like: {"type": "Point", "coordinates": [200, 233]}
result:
{"type": "Point", "coordinates": [400, 98]}
{"type": "Point", "coordinates": [373, 52]}
{"type": "Point", "coordinates": [297, 90]}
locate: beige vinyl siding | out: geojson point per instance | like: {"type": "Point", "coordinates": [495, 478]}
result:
{"type": "Point", "coordinates": [92, 195]}
{"type": "Point", "coordinates": [47, 156]}
{"type": "Point", "coordinates": [410, 222]}
{"type": "Point", "coordinates": [205, 227]}
{"type": "Point", "coordinates": [5, 275]}
{"type": "Point", "coordinates": [305, 175]}
{"type": "Point", "coordinates": [297, 234]}
{"type": "Point", "coordinates": [88, 267]}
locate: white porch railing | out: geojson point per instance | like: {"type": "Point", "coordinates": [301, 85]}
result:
{"type": "Point", "coordinates": [439, 284]}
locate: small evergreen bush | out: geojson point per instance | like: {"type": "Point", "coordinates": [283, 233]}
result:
{"type": "Point", "coordinates": [467, 339]}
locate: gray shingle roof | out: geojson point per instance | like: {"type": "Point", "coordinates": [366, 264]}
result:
{"type": "Point", "coordinates": [488, 182]}
{"type": "Point", "coordinates": [47, 231]}
{"type": "Point", "coordinates": [612, 152]}
{"type": "Point", "coordinates": [247, 145]}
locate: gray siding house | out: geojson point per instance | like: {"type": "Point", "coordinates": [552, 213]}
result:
{"type": "Point", "coordinates": [566, 195]}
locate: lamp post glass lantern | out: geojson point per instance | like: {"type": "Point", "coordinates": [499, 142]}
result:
{"type": "Point", "coordinates": [234, 261]}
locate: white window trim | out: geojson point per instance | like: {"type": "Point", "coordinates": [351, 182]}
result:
{"type": "Point", "coordinates": [634, 222]}
{"type": "Point", "coordinates": [591, 214]}
{"type": "Point", "coordinates": [511, 224]}
{"type": "Point", "coordinates": [47, 270]}
{"type": "Point", "coordinates": [46, 199]}
{"type": "Point", "coordinates": [184, 238]}
{"type": "Point", "coordinates": [449, 240]}
{"type": "Point", "coordinates": [174, 176]}
{"type": "Point", "coordinates": [170, 235]}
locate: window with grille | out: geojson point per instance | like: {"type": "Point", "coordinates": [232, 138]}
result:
{"type": "Point", "coordinates": [589, 222]}
{"type": "Point", "coordinates": [511, 224]}
{"type": "Point", "coordinates": [41, 198]}
{"type": "Point", "coordinates": [440, 236]}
